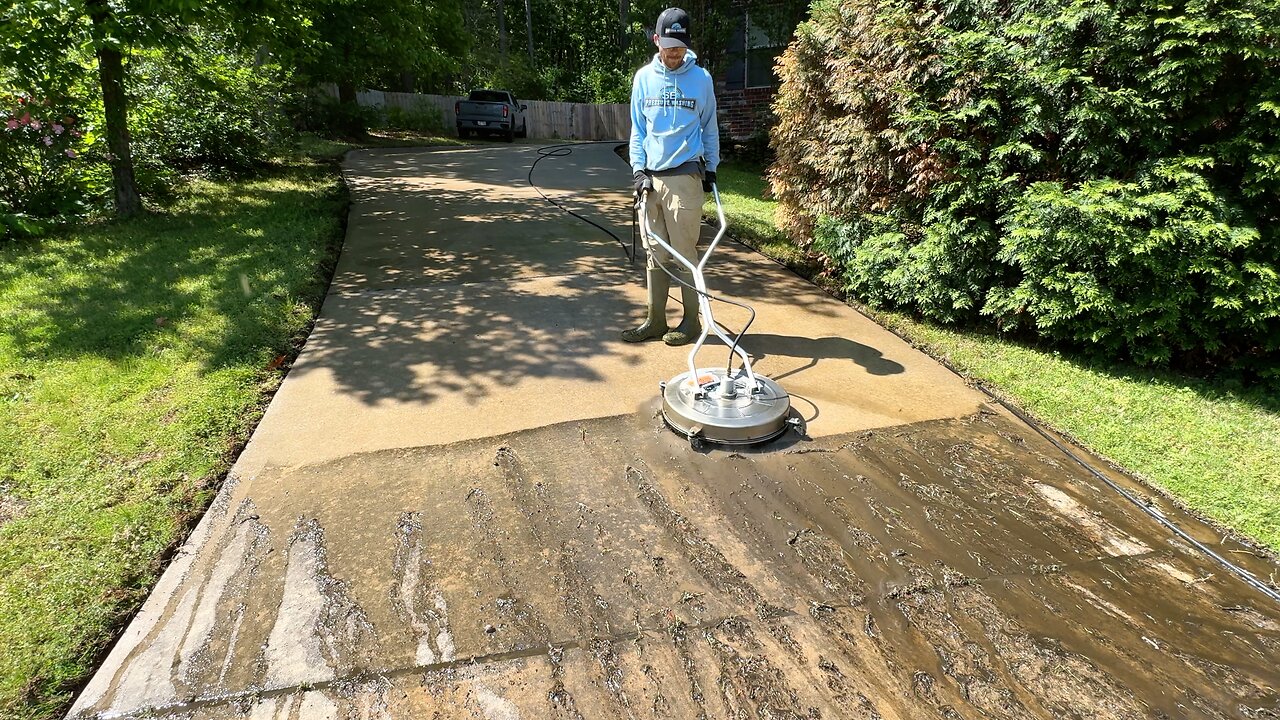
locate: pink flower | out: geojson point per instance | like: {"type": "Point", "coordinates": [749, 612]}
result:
{"type": "Point", "coordinates": [35, 125]}
{"type": "Point", "coordinates": [48, 141]}
{"type": "Point", "coordinates": [57, 129]}
{"type": "Point", "coordinates": [12, 124]}
{"type": "Point", "coordinates": [76, 133]}
{"type": "Point", "coordinates": [71, 153]}
{"type": "Point", "coordinates": [26, 118]}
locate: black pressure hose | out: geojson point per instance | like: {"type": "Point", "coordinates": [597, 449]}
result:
{"type": "Point", "coordinates": [566, 149]}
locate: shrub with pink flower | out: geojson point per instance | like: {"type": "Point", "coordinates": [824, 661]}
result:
{"type": "Point", "coordinates": [38, 159]}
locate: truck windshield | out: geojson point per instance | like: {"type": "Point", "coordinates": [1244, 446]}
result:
{"type": "Point", "coordinates": [488, 96]}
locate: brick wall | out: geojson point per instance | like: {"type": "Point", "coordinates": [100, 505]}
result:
{"type": "Point", "coordinates": [743, 112]}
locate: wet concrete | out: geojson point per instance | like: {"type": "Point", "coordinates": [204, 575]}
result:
{"type": "Point", "coordinates": [947, 569]}
{"type": "Point", "coordinates": [461, 504]}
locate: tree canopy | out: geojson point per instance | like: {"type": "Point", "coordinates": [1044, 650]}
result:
{"type": "Point", "coordinates": [116, 63]}
{"type": "Point", "coordinates": [47, 45]}
{"type": "Point", "coordinates": [377, 43]}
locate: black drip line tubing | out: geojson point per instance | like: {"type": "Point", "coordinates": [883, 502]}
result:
{"type": "Point", "coordinates": [1154, 512]}
{"type": "Point", "coordinates": [565, 150]}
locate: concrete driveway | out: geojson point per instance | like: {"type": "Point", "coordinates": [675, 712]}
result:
{"type": "Point", "coordinates": [461, 504]}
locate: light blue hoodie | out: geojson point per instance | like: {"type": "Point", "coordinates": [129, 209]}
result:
{"type": "Point", "coordinates": [673, 116]}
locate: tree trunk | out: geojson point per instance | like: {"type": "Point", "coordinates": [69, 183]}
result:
{"type": "Point", "coordinates": [349, 122]}
{"type": "Point", "coordinates": [111, 78]}
{"type": "Point", "coordinates": [347, 93]}
{"type": "Point", "coordinates": [528, 26]}
{"type": "Point", "coordinates": [502, 31]}
{"type": "Point", "coordinates": [624, 27]}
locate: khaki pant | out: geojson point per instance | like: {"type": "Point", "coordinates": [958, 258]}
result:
{"type": "Point", "coordinates": [675, 214]}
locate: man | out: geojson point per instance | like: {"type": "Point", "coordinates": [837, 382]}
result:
{"type": "Point", "coordinates": [675, 149]}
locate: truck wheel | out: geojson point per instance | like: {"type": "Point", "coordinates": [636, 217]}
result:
{"type": "Point", "coordinates": [524, 129]}
{"type": "Point", "coordinates": [462, 134]}
{"type": "Point", "coordinates": [511, 134]}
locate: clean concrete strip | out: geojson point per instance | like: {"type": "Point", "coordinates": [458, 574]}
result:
{"type": "Point", "coordinates": [507, 311]}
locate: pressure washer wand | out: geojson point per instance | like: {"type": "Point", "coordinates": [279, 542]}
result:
{"type": "Point", "coordinates": [704, 298]}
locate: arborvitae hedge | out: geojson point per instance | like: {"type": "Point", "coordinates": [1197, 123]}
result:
{"type": "Point", "coordinates": [1104, 172]}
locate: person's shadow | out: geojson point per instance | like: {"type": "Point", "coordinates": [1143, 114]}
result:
{"type": "Point", "coordinates": [761, 345]}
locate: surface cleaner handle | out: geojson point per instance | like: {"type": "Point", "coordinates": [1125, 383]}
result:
{"type": "Point", "coordinates": [702, 262]}
{"type": "Point", "coordinates": [704, 302]}
{"type": "Point", "coordinates": [724, 227]}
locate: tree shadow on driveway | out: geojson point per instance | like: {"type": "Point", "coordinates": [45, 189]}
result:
{"type": "Point", "coordinates": [469, 339]}
{"type": "Point", "coordinates": [458, 279]}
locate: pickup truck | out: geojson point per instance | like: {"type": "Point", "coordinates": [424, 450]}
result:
{"type": "Point", "coordinates": [491, 111]}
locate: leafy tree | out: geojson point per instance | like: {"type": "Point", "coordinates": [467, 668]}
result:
{"type": "Point", "coordinates": [214, 107]}
{"type": "Point", "coordinates": [41, 42]}
{"type": "Point", "coordinates": [587, 51]}
{"type": "Point", "coordinates": [359, 43]}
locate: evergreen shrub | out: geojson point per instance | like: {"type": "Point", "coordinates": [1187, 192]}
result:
{"type": "Point", "coordinates": [1099, 172]}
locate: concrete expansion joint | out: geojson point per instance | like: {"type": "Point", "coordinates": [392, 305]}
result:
{"type": "Point", "coordinates": [553, 650]}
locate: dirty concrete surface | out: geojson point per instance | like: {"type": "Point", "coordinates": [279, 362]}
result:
{"type": "Point", "coordinates": [514, 534]}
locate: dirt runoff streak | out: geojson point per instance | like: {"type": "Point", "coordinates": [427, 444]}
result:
{"type": "Point", "coordinates": [600, 569]}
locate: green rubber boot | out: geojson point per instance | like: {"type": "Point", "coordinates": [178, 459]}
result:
{"type": "Point", "coordinates": [689, 329]}
{"type": "Point", "coordinates": [655, 326]}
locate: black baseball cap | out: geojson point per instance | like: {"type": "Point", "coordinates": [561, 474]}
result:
{"type": "Point", "coordinates": [673, 28]}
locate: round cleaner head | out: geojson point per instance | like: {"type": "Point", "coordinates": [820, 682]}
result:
{"type": "Point", "coordinates": [720, 408]}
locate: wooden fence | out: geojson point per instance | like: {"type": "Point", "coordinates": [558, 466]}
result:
{"type": "Point", "coordinates": [546, 120]}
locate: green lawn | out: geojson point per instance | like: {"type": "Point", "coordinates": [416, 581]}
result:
{"type": "Point", "coordinates": [742, 191]}
{"type": "Point", "coordinates": [315, 146]}
{"type": "Point", "coordinates": [1213, 445]}
{"type": "Point", "coordinates": [135, 358]}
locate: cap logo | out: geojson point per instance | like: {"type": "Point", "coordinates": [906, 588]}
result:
{"type": "Point", "coordinates": [675, 27]}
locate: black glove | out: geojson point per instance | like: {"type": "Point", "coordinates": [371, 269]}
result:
{"type": "Point", "coordinates": [708, 179]}
{"type": "Point", "coordinates": [642, 182]}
